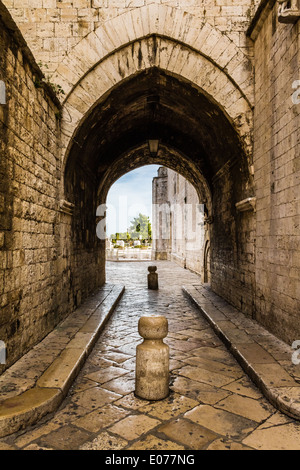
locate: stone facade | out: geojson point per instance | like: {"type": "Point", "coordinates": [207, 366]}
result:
{"type": "Point", "coordinates": [277, 174]}
{"type": "Point", "coordinates": [125, 72]}
{"type": "Point", "coordinates": [37, 288]}
{"type": "Point", "coordinates": [160, 243]}
{"type": "Point", "coordinates": [53, 27]}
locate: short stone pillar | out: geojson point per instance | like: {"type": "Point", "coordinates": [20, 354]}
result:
{"type": "Point", "coordinates": [152, 359]}
{"type": "Point", "coordinates": [152, 278]}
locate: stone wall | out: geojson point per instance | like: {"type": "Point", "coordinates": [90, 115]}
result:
{"type": "Point", "coordinates": [107, 56]}
{"type": "Point", "coordinates": [53, 27]}
{"type": "Point", "coordinates": [160, 243]}
{"type": "Point", "coordinates": [277, 174]}
{"type": "Point", "coordinates": [177, 207]}
{"type": "Point", "coordinates": [233, 239]}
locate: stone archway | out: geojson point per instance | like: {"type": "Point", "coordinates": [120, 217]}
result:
{"type": "Point", "coordinates": [206, 264]}
{"type": "Point", "coordinates": [204, 123]}
{"type": "Point", "coordinates": [202, 119]}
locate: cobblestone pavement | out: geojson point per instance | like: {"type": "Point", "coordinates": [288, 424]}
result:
{"type": "Point", "coordinates": [212, 405]}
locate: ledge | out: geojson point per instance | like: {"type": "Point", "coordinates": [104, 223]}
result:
{"type": "Point", "coordinates": [37, 384]}
{"type": "Point", "coordinates": [266, 359]}
{"type": "Point", "coordinates": [248, 204]}
{"type": "Point", "coordinates": [260, 16]}
{"type": "Point", "coordinates": [288, 12]}
{"type": "Point", "coordinates": [66, 207]}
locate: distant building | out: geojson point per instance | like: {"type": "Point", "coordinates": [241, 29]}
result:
{"type": "Point", "coordinates": [180, 233]}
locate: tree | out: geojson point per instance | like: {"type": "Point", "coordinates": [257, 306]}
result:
{"type": "Point", "coordinates": [141, 227]}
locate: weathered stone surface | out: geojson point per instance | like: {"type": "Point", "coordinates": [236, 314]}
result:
{"type": "Point", "coordinates": [276, 163]}
{"type": "Point", "coordinates": [228, 417]}
{"type": "Point", "coordinates": [27, 408]}
{"type": "Point", "coordinates": [29, 185]}
{"type": "Point", "coordinates": [37, 383]}
{"type": "Point", "coordinates": [179, 232]}
{"type": "Point", "coordinates": [261, 359]}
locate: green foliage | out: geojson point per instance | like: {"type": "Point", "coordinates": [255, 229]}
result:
{"type": "Point", "coordinates": [141, 227]}
{"type": "Point", "coordinates": [119, 236]}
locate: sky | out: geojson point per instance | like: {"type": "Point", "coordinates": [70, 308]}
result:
{"type": "Point", "coordinates": [129, 196]}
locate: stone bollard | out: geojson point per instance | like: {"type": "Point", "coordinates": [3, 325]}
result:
{"type": "Point", "coordinates": [152, 359]}
{"type": "Point", "coordinates": [152, 278]}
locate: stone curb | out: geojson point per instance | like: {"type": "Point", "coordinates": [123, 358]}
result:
{"type": "Point", "coordinates": [50, 389]}
{"type": "Point", "coordinates": [266, 359]}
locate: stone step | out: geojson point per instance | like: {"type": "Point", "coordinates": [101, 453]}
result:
{"type": "Point", "coordinates": [37, 384]}
{"type": "Point", "coordinates": [266, 359]}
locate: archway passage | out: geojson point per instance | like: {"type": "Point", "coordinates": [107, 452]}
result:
{"type": "Point", "coordinates": [196, 138]}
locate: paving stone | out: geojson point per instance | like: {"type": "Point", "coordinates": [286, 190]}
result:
{"type": "Point", "coordinates": [117, 357]}
{"type": "Point", "coordinates": [109, 373]}
{"type": "Point", "coordinates": [203, 375]}
{"type": "Point", "coordinates": [215, 354]}
{"type": "Point", "coordinates": [131, 401]}
{"type": "Point", "coordinates": [248, 407]}
{"type": "Point", "coordinates": [80, 385]}
{"type": "Point", "coordinates": [169, 408]}
{"type": "Point", "coordinates": [65, 438]}
{"type": "Point", "coordinates": [68, 413]}
{"type": "Point", "coordinates": [27, 438]}
{"type": "Point", "coordinates": [105, 441]}
{"type": "Point", "coordinates": [243, 387]}
{"type": "Point", "coordinates": [94, 398]}
{"type": "Point", "coordinates": [217, 367]}
{"type": "Point", "coordinates": [200, 391]}
{"type": "Point", "coordinates": [129, 364]}
{"type": "Point", "coordinates": [212, 405]}
{"type": "Point", "coordinates": [227, 444]}
{"type": "Point", "coordinates": [36, 447]}
{"type": "Point", "coordinates": [122, 385]}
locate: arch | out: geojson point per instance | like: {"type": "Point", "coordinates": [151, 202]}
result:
{"type": "Point", "coordinates": [100, 93]}
{"type": "Point", "coordinates": [152, 52]}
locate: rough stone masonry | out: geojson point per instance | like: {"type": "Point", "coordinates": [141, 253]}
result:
{"type": "Point", "coordinates": [87, 83]}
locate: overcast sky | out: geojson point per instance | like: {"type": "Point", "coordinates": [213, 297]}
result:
{"type": "Point", "coordinates": [129, 196]}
